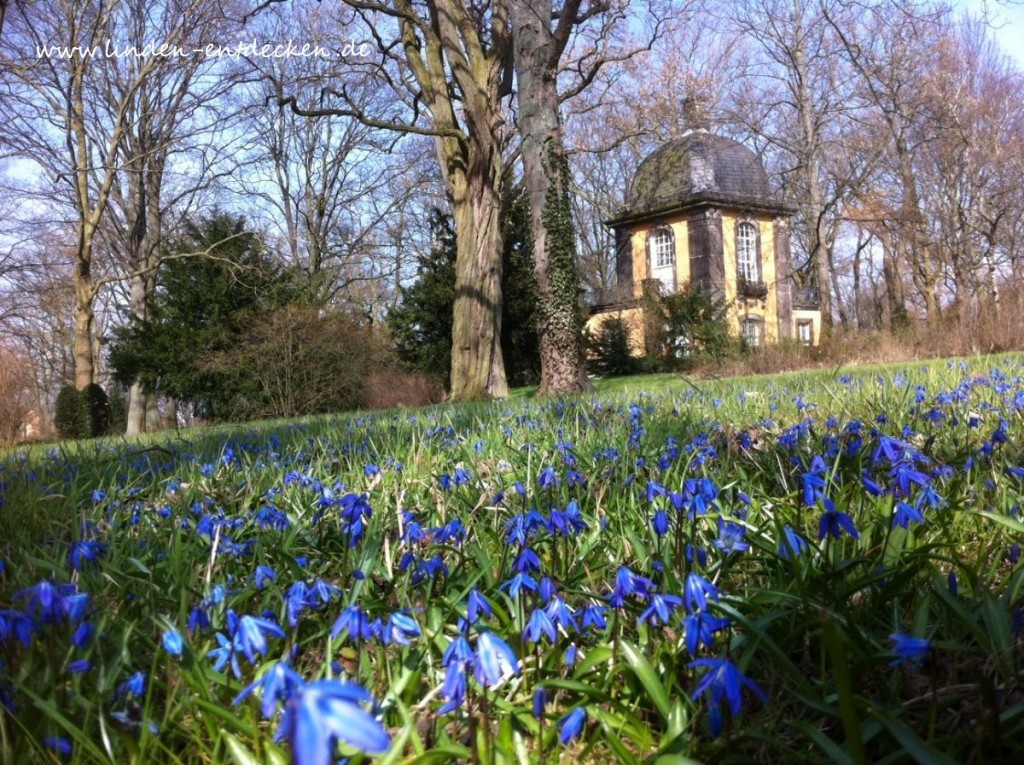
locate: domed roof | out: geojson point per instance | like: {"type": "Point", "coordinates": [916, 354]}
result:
{"type": "Point", "coordinates": [700, 166]}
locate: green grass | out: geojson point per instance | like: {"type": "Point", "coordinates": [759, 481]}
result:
{"type": "Point", "coordinates": [799, 632]}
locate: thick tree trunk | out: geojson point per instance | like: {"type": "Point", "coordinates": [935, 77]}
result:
{"type": "Point", "coordinates": [85, 320]}
{"type": "Point", "coordinates": [478, 368]}
{"type": "Point", "coordinates": [546, 175]}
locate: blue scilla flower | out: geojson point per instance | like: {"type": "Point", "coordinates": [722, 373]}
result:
{"type": "Point", "coordinates": [659, 612]}
{"type": "Point", "coordinates": [571, 725]}
{"type": "Point", "coordinates": [548, 478]}
{"type": "Point", "coordinates": [252, 635]}
{"type": "Point", "coordinates": [903, 515]}
{"type": "Point", "coordinates": [172, 642]}
{"type": "Point", "coordinates": [44, 601]}
{"type": "Point", "coordinates": [539, 626]}
{"type": "Point", "coordinates": [494, 660]}
{"type": "Point", "coordinates": [225, 652]}
{"type": "Point", "coordinates": [58, 744]}
{"type": "Point", "coordinates": [526, 562]}
{"type": "Point", "coordinates": [399, 629]}
{"type": "Point", "coordinates": [85, 552]}
{"type": "Point", "coordinates": [700, 628]}
{"type": "Point", "coordinates": [263, 575]}
{"type": "Point", "coordinates": [909, 649]}
{"type": "Point", "coordinates": [540, 702]}
{"type": "Point", "coordinates": [592, 617]}
{"type": "Point", "coordinates": [133, 686]}
{"type": "Point", "coordinates": [627, 583]}
{"type": "Point", "coordinates": [792, 544]}
{"type": "Point", "coordinates": [276, 684]}
{"type": "Point", "coordinates": [724, 681]}
{"type": "Point", "coordinates": [696, 591]}
{"type": "Point", "coordinates": [453, 689]}
{"type": "Point", "coordinates": [813, 482]}
{"type": "Point", "coordinates": [321, 713]}
{"type": "Point", "coordinates": [659, 523]}
{"type": "Point", "coordinates": [730, 537]}
{"type": "Point", "coordinates": [561, 614]}
{"type": "Point", "coordinates": [518, 583]}
{"type": "Point", "coordinates": [353, 623]}
{"type": "Point", "coordinates": [477, 606]}
{"type": "Point", "coordinates": [457, 651]}
{"type": "Point", "coordinates": [834, 522]}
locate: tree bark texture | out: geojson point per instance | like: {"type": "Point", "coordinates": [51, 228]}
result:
{"type": "Point", "coordinates": [546, 176]}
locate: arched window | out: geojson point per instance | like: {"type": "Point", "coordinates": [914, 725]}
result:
{"type": "Point", "coordinates": [747, 257]}
{"type": "Point", "coordinates": [752, 330]}
{"type": "Point", "coordinates": [661, 248]}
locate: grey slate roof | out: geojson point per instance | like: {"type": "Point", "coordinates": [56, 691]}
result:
{"type": "Point", "coordinates": [699, 167]}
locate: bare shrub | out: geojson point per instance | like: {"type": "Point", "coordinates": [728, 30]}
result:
{"type": "Point", "coordinates": [387, 387]}
{"type": "Point", "coordinates": [16, 399]}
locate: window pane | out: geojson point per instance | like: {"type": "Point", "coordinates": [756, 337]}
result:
{"type": "Point", "coordinates": [664, 252]}
{"type": "Point", "coordinates": [746, 253]}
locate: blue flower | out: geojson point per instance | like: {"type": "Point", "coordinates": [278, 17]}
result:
{"type": "Point", "coordinates": [660, 610]}
{"type": "Point", "coordinates": [792, 543]}
{"type": "Point", "coordinates": [223, 653]}
{"type": "Point", "coordinates": [724, 681]}
{"type": "Point", "coordinates": [548, 478]}
{"type": "Point", "coordinates": [730, 537]}
{"type": "Point", "coordinates": [904, 514]}
{"type": "Point", "coordinates": [700, 629]}
{"type": "Point", "coordinates": [263, 575]}
{"type": "Point", "coordinates": [477, 605]}
{"type": "Point", "coordinates": [277, 684]}
{"type": "Point", "coordinates": [453, 690]}
{"type": "Point", "coordinates": [322, 713]}
{"type": "Point", "coordinates": [353, 623]}
{"type": "Point", "coordinates": [58, 744]}
{"type": "Point", "coordinates": [172, 642]}
{"type": "Point", "coordinates": [399, 629]}
{"type": "Point", "coordinates": [540, 625]}
{"type": "Point", "coordinates": [833, 523]}
{"type": "Point", "coordinates": [660, 523]}
{"type": "Point", "coordinates": [251, 636]}
{"type": "Point", "coordinates": [517, 583]}
{"type": "Point", "coordinates": [540, 701]}
{"type": "Point", "coordinates": [84, 552]}
{"type": "Point", "coordinates": [494, 661]}
{"type": "Point", "coordinates": [696, 591]}
{"type": "Point", "coordinates": [571, 725]}
{"type": "Point", "coordinates": [133, 686]}
{"type": "Point", "coordinates": [909, 649]}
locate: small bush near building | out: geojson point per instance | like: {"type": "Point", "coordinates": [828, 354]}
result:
{"type": "Point", "coordinates": [608, 350]}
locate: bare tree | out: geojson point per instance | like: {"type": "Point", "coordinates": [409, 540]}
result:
{"type": "Point", "coordinates": [55, 59]}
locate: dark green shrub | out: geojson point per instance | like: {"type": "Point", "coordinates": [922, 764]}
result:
{"type": "Point", "coordinates": [608, 350]}
{"type": "Point", "coordinates": [118, 408]}
{"type": "Point", "coordinates": [71, 417]}
{"type": "Point", "coordinates": [97, 406]}
{"type": "Point", "coordinates": [690, 327]}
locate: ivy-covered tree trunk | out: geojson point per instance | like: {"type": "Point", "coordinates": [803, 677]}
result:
{"type": "Point", "coordinates": [546, 176]}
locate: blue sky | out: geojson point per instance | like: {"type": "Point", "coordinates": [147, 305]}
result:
{"type": "Point", "coordinates": [1007, 20]}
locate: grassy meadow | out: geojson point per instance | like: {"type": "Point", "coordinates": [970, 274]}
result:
{"type": "Point", "coordinates": [817, 567]}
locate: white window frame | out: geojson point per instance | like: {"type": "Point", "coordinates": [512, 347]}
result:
{"type": "Point", "coordinates": [747, 261]}
{"type": "Point", "coordinates": [663, 247]}
{"type": "Point", "coordinates": [801, 326]}
{"type": "Point", "coordinates": [752, 331]}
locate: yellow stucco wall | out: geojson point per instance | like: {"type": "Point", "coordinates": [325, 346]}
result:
{"type": "Point", "coordinates": [768, 309]}
{"type": "Point", "coordinates": [641, 267]}
{"type": "Point", "coordinates": [814, 317]}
